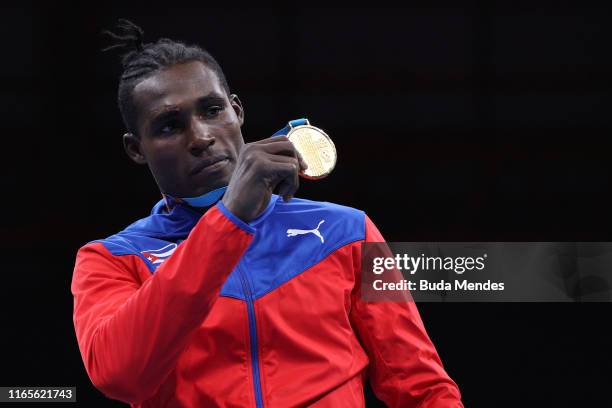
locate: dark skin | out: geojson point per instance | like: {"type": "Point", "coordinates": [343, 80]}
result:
{"type": "Point", "coordinates": [188, 133]}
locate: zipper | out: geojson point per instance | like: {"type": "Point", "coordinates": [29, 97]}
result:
{"type": "Point", "coordinates": [253, 338]}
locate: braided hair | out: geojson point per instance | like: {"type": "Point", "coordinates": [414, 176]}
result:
{"type": "Point", "coordinates": [142, 60]}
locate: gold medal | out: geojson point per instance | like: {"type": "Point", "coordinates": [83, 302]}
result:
{"type": "Point", "coordinates": [316, 148]}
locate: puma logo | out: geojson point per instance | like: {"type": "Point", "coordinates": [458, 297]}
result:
{"type": "Point", "coordinates": [293, 232]}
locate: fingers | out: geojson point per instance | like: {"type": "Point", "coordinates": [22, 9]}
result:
{"type": "Point", "coordinates": [284, 175]}
{"type": "Point", "coordinates": [282, 146]}
{"type": "Point", "coordinates": [303, 164]}
{"type": "Point", "coordinates": [262, 168]}
{"type": "Point", "coordinates": [273, 163]}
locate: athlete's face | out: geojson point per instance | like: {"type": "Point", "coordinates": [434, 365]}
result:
{"type": "Point", "coordinates": [188, 129]}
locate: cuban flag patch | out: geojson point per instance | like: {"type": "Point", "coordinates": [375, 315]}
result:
{"type": "Point", "coordinates": [157, 256]}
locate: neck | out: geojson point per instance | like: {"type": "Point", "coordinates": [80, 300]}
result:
{"type": "Point", "coordinates": [206, 199]}
{"type": "Point", "coordinates": [200, 203]}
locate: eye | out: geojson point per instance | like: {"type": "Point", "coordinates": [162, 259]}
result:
{"type": "Point", "coordinates": [212, 111]}
{"type": "Point", "coordinates": [168, 128]}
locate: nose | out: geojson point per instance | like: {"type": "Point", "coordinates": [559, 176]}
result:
{"type": "Point", "coordinates": [201, 137]}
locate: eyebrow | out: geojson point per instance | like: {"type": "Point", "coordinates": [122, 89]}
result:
{"type": "Point", "coordinates": [211, 98]}
{"type": "Point", "coordinates": [170, 111]}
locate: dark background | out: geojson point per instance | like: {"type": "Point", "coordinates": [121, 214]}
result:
{"type": "Point", "coordinates": [473, 122]}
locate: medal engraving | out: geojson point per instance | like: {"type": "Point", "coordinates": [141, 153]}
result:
{"type": "Point", "coordinates": [316, 148]}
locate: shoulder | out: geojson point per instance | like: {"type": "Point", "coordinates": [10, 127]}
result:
{"type": "Point", "coordinates": [127, 240]}
{"type": "Point", "coordinates": [153, 238]}
{"type": "Point", "coordinates": [341, 223]}
{"type": "Point", "coordinates": [301, 204]}
{"type": "Point", "coordinates": [302, 207]}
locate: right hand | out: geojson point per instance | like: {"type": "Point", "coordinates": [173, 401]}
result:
{"type": "Point", "coordinates": [263, 166]}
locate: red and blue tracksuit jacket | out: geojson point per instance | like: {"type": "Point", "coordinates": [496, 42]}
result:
{"type": "Point", "coordinates": [182, 309]}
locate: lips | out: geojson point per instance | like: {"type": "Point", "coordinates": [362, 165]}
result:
{"type": "Point", "coordinates": [211, 161]}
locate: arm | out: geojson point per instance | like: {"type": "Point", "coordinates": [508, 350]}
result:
{"type": "Point", "coordinates": [130, 336]}
{"type": "Point", "coordinates": [405, 369]}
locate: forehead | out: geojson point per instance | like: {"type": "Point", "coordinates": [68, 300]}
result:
{"type": "Point", "coordinates": [175, 86]}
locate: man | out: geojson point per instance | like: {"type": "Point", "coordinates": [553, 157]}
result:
{"type": "Point", "coordinates": [209, 301]}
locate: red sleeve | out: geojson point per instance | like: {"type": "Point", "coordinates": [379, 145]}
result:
{"type": "Point", "coordinates": [131, 335]}
{"type": "Point", "coordinates": [405, 369]}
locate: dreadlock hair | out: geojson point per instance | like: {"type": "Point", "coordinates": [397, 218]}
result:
{"type": "Point", "coordinates": [142, 60]}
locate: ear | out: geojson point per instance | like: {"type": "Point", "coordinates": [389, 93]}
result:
{"type": "Point", "coordinates": [131, 144]}
{"type": "Point", "coordinates": [237, 106]}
